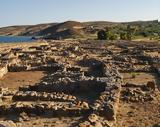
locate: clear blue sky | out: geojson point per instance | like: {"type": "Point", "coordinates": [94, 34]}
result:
{"type": "Point", "coordinates": [18, 12]}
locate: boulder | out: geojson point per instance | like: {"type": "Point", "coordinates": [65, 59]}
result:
{"type": "Point", "coordinates": [106, 123]}
{"type": "Point", "coordinates": [93, 118]}
{"type": "Point", "coordinates": [3, 71]}
{"type": "Point", "coordinates": [85, 124]}
{"type": "Point", "coordinates": [7, 124]}
{"type": "Point", "coordinates": [7, 98]}
{"type": "Point", "coordinates": [24, 117]}
{"type": "Point", "coordinates": [108, 111]}
{"type": "Point", "coordinates": [151, 85]}
{"type": "Point", "coordinates": [97, 124]}
{"type": "Point", "coordinates": [85, 105]}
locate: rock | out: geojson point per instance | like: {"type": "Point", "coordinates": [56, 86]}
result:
{"type": "Point", "coordinates": [108, 111]}
{"type": "Point", "coordinates": [3, 90]}
{"type": "Point", "coordinates": [76, 48]}
{"type": "Point", "coordinates": [96, 106]}
{"type": "Point", "coordinates": [72, 55]}
{"type": "Point", "coordinates": [24, 116]}
{"type": "Point", "coordinates": [85, 124]}
{"type": "Point", "coordinates": [105, 123]}
{"type": "Point", "coordinates": [85, 105]}
{"type": "Point", "coordinates": [97, 124]}
{"type": "Point", "coordinates": [136, 95]}
{"type": "Point", "coordinates": [7, 98]}
{"type": "Point", "coordinates": [151, 85]}
{"type": "Point", "coordinates": [7, 124]}
{"type": "Point", "coordinates": [130, 114]}
{"type": "Point", "coordinates": [93, 118]}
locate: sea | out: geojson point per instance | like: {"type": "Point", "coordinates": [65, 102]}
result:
{"type": "Point", "coordinates": [14, 39]}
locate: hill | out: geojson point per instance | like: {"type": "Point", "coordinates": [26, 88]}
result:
{"type": "Point", "coordinates": [74, 29]}
{"type": "Point", "coordinates": [63, 30]}
{"type": "Point", "coordinates": [12, 30]}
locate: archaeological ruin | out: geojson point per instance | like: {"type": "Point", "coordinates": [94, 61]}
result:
{"type": "Point", "coordinates": [95, 84]}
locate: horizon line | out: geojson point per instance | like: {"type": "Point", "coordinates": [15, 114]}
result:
{"type": "Point", "coordinates": [110, 21]}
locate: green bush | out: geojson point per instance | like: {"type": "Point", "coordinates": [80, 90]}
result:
{"type": "Point", "coordinates": [112, 36]}
{"type": "Point", "coordinates": [123, 36]}
{"type": "Point", "coordinates": [102, 35]}
{"type": "Point", "coordinates": [106, 35]}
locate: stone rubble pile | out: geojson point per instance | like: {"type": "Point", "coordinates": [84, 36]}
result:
{"type": "Point", "coordinates": [138, 93]}
{"type": "Point", "coordinates": [43, 96]}
{"type": "Point", "coordinates": [73, 71]}
{"type": "Point", "coordinates": [56, 108]}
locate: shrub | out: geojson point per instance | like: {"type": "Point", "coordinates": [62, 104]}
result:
{"type": "Point", "coordinates": [112, 36]}
{"type": "Point", "coordinates": [123, 36]}
{"type": "Point", "coordinates": [102, 35]}
{"type": "Point", "coordinates": [133, 75]}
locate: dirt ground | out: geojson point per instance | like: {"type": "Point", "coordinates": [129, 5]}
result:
{"type": "Point", "coordinates": [51, 122]}
{"type": "Point", "coordinates": [46, 121]}
{"type": "Point", "coordinates": [139, 114]}
{"type": "Point", "coordinates": [13, 80]}
{"type": "Point", "coordinates": [153, 54]}
{"type": "Point", "coordinates": [4, 47]}
{"type": "Point", "coordinates": [140, 77]}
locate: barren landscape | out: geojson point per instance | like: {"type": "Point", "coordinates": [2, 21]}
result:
{"type": "Point", "coordinates": [87, 83]}
{"type": "Point", "coordinates": [80, 63]}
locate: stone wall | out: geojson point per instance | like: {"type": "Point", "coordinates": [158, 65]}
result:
{"type": "Point", "coordinates": [3, 71]}
{"type": "Point", "coordinates": [17, 68]}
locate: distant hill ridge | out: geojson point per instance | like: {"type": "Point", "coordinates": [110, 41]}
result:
{"type": "Point", "coordinates": [68, 29]}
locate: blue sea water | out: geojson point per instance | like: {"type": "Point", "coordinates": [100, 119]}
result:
{"type": "Point", "coordinates": [10, 39]}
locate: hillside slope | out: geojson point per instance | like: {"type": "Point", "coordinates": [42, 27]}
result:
{"type": "Point", "coordinates": [63, 30]}
{"type": "Point", "coordinates": [74, 29]}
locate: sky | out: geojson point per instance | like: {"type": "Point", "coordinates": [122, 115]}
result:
{"type": "Point", "coordinates": [27, 12]}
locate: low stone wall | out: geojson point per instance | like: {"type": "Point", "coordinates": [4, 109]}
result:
{"type": "Point", "coordinates": [43, 96]}
{"type": "Point", "coordinates": [3, 71]}
{"type": "Point", "coordinates": [7, 123]}
{"type": "Point", "coordinates": [57, 109]}
{"type": "Point", "coordinates": [47, 67]}
{"type": "Point", "coordinates": [83, 85]}
{"type": "Point", "coordinates": [17, 68]}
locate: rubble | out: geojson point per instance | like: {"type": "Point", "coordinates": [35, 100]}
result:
{"type": "Point", "coordinates": [7, 124]}
{"type": "Point", "coordinates": [93, 118]}
{"type": "Point", "coordinates": [136, 95]}
{"type": "Point", "coordinates": [42, 96]}
{"type": "Point", "coordinates": [3, 71]}
{"type": "Point", "coordinates": [81, 79]}
{"type": "Point", "coordinates": [151, 85]}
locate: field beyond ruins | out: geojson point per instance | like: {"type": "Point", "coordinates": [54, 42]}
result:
{"type": "Point", "coordinates": [80, 84]}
